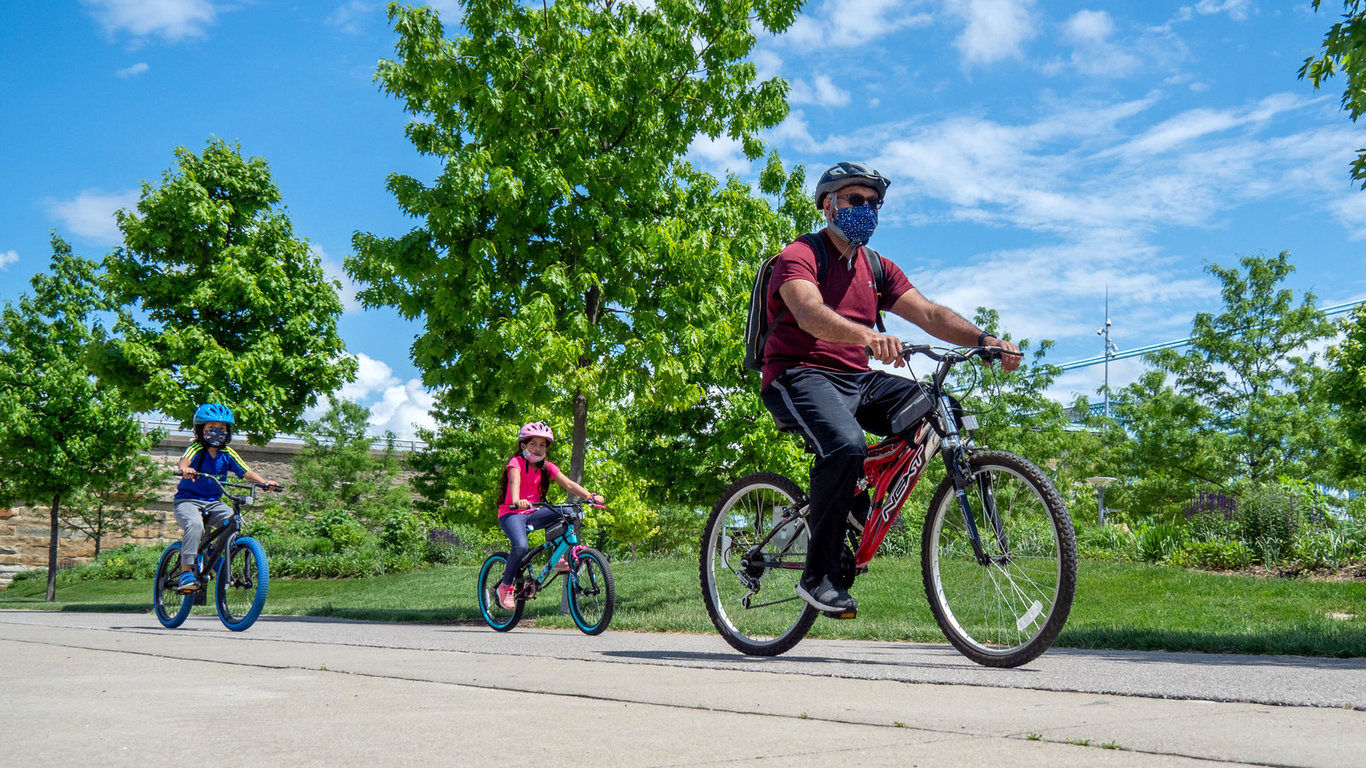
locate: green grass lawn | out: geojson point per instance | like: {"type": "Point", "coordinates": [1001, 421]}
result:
{"type": "Point", "coordinates": [1118, 605]}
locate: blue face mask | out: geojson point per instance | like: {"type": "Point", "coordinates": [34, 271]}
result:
{"type": "Point", "coordinates": [216, 437]}
{"type": "Point", "coordinates": [855, 223]}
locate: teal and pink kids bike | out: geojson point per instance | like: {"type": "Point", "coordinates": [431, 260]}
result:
{"type": "Point", "coordinates": [236, 563]}
{"type": "Point", "coordinates": [589, 589]}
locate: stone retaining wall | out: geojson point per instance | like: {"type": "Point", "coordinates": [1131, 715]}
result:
{"type": "Point", "coordinates": [24, 531]}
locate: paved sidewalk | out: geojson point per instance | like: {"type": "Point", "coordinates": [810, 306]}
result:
{"type": "Point", "coordinates": [116, 689]}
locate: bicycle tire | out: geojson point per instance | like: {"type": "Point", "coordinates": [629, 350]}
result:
{"type": "Point", "coordinates": [591, 591]}
{"type": "Point", "coordinates": [243, 582]}
{"type": "Point", "coordinates": [1009, 611]}
{"type": "Point", "coordinates": [742, 517]}
{"type": "Point", "coordinates": [490, 575]}
{"type": "Point", "coordinates": [171, 607]}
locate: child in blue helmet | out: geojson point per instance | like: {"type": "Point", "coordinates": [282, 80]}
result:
{"type": "Point", "coordinates": [196, 497]}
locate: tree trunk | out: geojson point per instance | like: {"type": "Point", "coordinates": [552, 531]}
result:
{"type": "Point", "coordinates": [580, 439]}
{"type": "Point", "coordinates": [52, 552]}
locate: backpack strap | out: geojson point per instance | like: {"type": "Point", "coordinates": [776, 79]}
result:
{"type": "Point", "coordinates": [817, 244]}
{"type": "Point", "coordinates": [879, 282]}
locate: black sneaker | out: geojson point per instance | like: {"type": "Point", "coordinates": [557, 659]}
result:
{"type": "Point", "coordinates": [825, 596]}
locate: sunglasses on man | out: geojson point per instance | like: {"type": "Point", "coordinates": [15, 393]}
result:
{"type": "Point", "coordinates": [855, 199]}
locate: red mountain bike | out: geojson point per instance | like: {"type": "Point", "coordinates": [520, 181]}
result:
{"type": "Point", "coordinates": [998, 554]}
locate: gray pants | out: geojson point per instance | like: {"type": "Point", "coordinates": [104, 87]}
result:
{"type": "Point", "coordinates": [189, 513]}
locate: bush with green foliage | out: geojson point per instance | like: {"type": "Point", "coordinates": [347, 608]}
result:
{"type": "Point", "coordinates": [1268, 521]}
{"type": "Point", "coordinates": [1157, 541]}
{"type": "Point", "coordinates": [1212, 554]}
{"type": "Point", "coordinates": [1107, 542]}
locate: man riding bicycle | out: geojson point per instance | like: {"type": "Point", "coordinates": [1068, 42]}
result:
{"type": "Point", "coordinates": [815, 378]}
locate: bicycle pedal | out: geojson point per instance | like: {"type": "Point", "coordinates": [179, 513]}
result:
{"type": "Point", "coordinates": [840, 614]}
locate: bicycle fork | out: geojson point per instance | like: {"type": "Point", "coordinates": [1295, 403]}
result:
{"type": "Point", "coordinates": [956, 461]}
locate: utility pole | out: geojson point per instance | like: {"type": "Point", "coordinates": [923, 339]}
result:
{"type": "Point", "coordinates": [1110, 349]}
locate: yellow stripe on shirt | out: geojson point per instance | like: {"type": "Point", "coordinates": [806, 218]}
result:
{"type": "Point", "coordinates": [237, 458]}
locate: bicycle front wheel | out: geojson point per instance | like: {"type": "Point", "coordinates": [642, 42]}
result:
{"type": "Point", "coordinates": [490, 575]}
{"type": "Point", "coordinates": [749, 577]}
{"type": "Point", "coordinates": [171, 607]}
{"type": "Point", "coordinates": [1008, 606]}
{"type": "Point", "coordinates": [243, 580]}
{"type": "Point", "coordinates": [592, 592]}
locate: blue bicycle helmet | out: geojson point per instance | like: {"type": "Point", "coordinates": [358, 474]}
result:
{"type": "Point", "coordinates": [212, 412]}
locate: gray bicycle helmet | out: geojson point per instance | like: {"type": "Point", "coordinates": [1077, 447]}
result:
{"type": "Point", "coordinates": [846, 174]}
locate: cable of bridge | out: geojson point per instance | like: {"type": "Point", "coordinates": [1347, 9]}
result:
{"type": "Point", "coordinates": [1337, 309]}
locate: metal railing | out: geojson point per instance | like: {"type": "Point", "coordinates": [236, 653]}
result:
{"type": "Point", "coordinates": [401, 444]}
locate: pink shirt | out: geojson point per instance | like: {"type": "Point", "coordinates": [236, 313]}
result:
{"type": "Point", "coordinates": [531, 483]}
{"type": "Point", "coordinates": [849, 292]}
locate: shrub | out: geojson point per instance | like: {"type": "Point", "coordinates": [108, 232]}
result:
{"type": "Point", "coordinates": [1268, 521]}
{"type": "Point", "coordinates": [341, 528]}
{"type": "Point", "coordinates": [1212, 503]}
{"type": "Point", "coordinates": [1207, 526]}
{"type": "Point", "coordinates": [401, 532]}
{"type": "Point", "coordinates": [1107, 542]}
{"type": "Point", "coordinates": [1216, 554]}
{"type": "Point", "coordinates": [1157, 541]}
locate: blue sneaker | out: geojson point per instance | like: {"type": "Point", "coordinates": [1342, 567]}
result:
{"type": "Point", "coordinates": [187, 584]}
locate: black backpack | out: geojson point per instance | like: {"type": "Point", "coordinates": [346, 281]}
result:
{"type": "Point", "coordinates": [757, 329]}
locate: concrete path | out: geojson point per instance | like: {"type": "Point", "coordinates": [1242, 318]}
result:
{"type": "Point", "coordinates": [117, 689]}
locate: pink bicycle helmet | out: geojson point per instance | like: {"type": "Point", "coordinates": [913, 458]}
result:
{"type": "Point", "coordinates": [535, 429]}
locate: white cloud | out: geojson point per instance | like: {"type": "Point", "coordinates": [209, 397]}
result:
{"type": "Point", "coordinates": [849, 23]}
{"type": "Point", "coordinates": [333, 270]}
{"type": "Point", "coordinates": [348, 16]}
{"type": "Point", "coordinates": [91, 214]}
{"type": "Point", "coordinates": [8, 257]}
{"type": "Point", "coordinates": [1236, 9]}
{"type": "Point", "coordinates": [394, 405]}
{"type": "Point", "coordinates": [1200, 123]}
{"type": "Point", "coordinates": [1096, 53]}
{"type": "Point", "coordinates": [721, 154]}
{"type": "Point", "coordinates": [133, 71]}
{"type": "Point", "coordinates": [1089, 27]}
{"type": "Point", "coordinates": [402, 409]}
{"type": "Point", "coordinates": [767, 64]}
{"type": "Point", "coordinates": [171, 20]}
{"type": "Point", "coordinates": [994, 30]}
{"type": "Point", "coordinates": [372, 376]}
{"type": "Point", "coordinates": [1349, 210]}
{"type": "Point", "coordinates": [821, 91]}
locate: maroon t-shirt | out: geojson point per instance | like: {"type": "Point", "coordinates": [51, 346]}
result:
{"type": "Point", "coordinates": [850, 292]}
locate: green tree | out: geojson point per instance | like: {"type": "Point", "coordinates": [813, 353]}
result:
{"type": "Point", "coordinates": [1344, 386]}
{"type": "Point", "coordinates": [339, 470]}
{"type": "Point", "coordinates": [568, 256]}
{"type": "Point", "coordinates": [1237, 405]}
{"type": "Point", "coordinates": [115, 501]}
{"type": "Point", "coordinates": [1344, 50]}
{"type": "Point", "coordinates": [218, 300]}
{"type": "Point", "coordinates": [59, 427]}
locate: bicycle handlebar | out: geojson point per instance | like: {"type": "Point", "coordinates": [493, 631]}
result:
{"type": "Point", "coordinates": [226, 485]}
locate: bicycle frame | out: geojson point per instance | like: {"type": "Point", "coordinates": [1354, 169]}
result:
{"type": "Point", "coordinates": [894, 466]}
{"type": "Point", "coordinates": [565, 544]}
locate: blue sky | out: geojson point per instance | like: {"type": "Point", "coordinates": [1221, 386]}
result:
{"type": "Point", "coordinates": [1040, 151]}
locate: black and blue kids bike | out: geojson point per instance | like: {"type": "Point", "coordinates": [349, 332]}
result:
{"type": "Point", "coordinates": [588, 586]}
{"type": "Point", "coordinates": [236, 563]}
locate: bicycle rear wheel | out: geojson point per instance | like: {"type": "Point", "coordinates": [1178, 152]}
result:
{"type": "Point", "coordinates": [171, 607]}
{"type": "Point", "coordinates": [592, 592]}
{"type": "Point", "coordinates": [495, 615]}
{"type": "Point", "coordinates": [1008, 610]}
{"type": "Point", "coordinates": [243, 581]}
{"type": "Point", "coordinates": [749, 578]}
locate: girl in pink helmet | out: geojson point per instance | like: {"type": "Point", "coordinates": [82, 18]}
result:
{"type": "Point", "coordinates": [526, 477]}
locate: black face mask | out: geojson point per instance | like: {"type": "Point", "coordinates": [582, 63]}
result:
{"type": "Point", "coordinates": [216, 437]}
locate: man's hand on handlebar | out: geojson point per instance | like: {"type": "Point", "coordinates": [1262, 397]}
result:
{"type": "Point", "coordinates": [885, 348]}
{"type": "Point", "coordinates": [1010, 354]}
